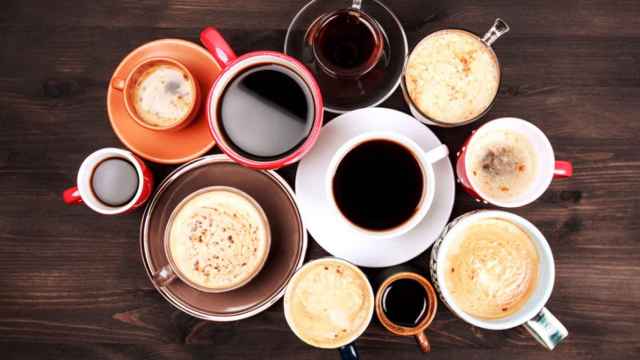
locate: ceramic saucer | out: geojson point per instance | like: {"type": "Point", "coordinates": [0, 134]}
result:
{"type": "Point", "coordinates": [318, 213]}
{"type": "Point", "coordinates": [288, 237]}
{"type": "Point", "coordinates": [372, 88]}
{"type": "Point", "coordinates": [167, 147]}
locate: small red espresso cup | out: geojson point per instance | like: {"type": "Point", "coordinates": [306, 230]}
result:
{"type": "Point", "coordinates": [90, 175]}
{"type": "Point", "coordinates": [256, 118]}
{"type": "Point", "coordinates": [546, 167]}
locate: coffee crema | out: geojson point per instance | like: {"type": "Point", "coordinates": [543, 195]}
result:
{"type": "Point", "coordinates": [328, 303]}
{"type": "Point", "coordinates": [502, 164]}
{"type": "Point", "coordinates": [218, 240]}
{"type": "Point", "coordinates": [491, 268]}
{"type": "Point", "coordinates": [452, 76]}
{"type": "Point", "coordinates": [164, 95]}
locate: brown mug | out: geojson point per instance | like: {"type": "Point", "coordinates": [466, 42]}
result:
{"type": "Point", "coordinates": [383, 302]}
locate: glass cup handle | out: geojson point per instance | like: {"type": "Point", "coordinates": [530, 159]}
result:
{"type": "Point", "coordinates": [357, 4]}
{"type": "Point", "coordinates": [164, 276]}
{"type": "Point", "coordinates": [547, 329]}
{"type": "Point", "coordinates": [423, 342]}
{"type": "Point", "coordinates": [498, 29]}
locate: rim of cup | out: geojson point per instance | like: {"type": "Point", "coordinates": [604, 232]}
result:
{"type": "Point", "coordinates": [437, 122]}
{"type": "Point", "coordinates": [288, 290]}
{"type": "Point", "coordinates": [428, 188]}
{"type": "Point", "coordinates": [238, 66]}
{"type": "Point", "coordinates": [85, 173]}
{"type": "Point", "coordinates": [167, 233]}
{"type": "Point", "coordinates": [542, 147]}
{"type": "Point", "coordinates": [546, 271]}
{"type": "Point", "coordinates": [128, 87]}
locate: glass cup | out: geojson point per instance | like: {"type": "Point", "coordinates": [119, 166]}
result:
{"type": "Point", "coordinates": [498, 29]}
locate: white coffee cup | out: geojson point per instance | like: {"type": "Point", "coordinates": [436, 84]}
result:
{"type": "Point", "coordinates": [548, 167]}
{"type": "Point", "coordinates": [82, 193]}
{"type": "Point", "coordinates": [424, 159]}
{"type": "Point", "coordinates": [533, 315]}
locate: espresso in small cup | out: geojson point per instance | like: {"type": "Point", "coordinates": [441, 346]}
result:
{"type": "Point", "coordinates": [163, 95]}
{"type": "Point", "coordinates": [114, 181]}
{"type": "Point", "coordinates": [217, 239]}
{"type": "Point", "coordinates": [346, 43]}
{"type": "Point", "coordinates": [491, 268]}
{"type": "Point", "coordinates": [503, 164]}
{"type": "Point", "coordinates": [328, 303]}
{"type": "Point", "coordinates": [406, 303]}
{"type": "Point", "coordinates": [266, 112]}
{"type": "Point", "coordinates": [452, 76]}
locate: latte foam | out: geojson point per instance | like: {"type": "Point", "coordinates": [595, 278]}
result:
{"type": "Point", "coordinates": [328, 303]}
{"type": "Point", "coordinates": [491, 268]}
{"type": "Point", "coordinates": [502, 164]}
{"type": "Point", "coordinates": [164, 95]}
{"type": "Point", "coordinates": [218, 240]}
{"type": "Point", "coordinates": [452, 76]}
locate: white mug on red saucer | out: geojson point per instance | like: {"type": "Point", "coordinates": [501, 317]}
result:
{"type": "Point", "coordinates": [83, 193]}
{"type": "Point", "coordinates": [548, 168]}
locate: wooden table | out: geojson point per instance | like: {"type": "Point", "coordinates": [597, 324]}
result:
{"type": "Point", "coordinates": [72, 284]}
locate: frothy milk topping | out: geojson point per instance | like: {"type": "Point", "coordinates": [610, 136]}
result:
{"type": "Point", "coordinates": [218, 240]}
{"type": "Point", "coordinates": [491, 268]}
{"type": "Point", "coordinates": [164, 95]}
{"type": "Point", "coordinates": [502, 164]}
{"type": "Point", "coordinates": [328, 303]}
{"type": "Point", "coordinates": [452, 76]}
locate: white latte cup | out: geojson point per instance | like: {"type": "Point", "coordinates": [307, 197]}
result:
{"type": "Point", "coordinates": [533, 315]}
{"type": "Point", "coordinates": [424, 159]}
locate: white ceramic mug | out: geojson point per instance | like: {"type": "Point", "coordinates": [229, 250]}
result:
{"type": "Point", "coordinates": [533, 315]}
{"type": "Point", "coordinates": [83, 194]}
{"type": "Point", "coordinates": [424, 159]}
{"type": "Point", "coordinates": [548, 168]}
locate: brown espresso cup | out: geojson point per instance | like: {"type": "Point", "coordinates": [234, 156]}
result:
{"type": "Point", "coordinates": [129, 88]}
{"type": "Point", "coordinates": [406, 303]}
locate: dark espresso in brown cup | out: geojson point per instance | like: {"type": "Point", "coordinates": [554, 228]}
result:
{"type": "Point", "coordinates": [406, 303]}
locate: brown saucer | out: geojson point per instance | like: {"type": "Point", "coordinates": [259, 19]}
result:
{"type": "Point", "coordinates": [167, 147]}
{"type": "Point", "coordinates": [288, 237]}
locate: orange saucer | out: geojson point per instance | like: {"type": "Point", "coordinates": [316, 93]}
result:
{"type": "Point", "coordinates": [167, 147]}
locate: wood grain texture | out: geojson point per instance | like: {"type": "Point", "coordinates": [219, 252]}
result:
{"type": "Point", "coordinates": [72, 284]}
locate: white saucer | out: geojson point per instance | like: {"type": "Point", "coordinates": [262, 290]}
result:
{"type": "Point", "coordinates": [318, 213]}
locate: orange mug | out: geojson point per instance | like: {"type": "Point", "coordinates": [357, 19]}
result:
{"type": "Point", "coordinates": [129, 85]}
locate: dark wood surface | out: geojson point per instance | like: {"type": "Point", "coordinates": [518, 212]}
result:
{"type": "Point", "coordinates": [72, 285]}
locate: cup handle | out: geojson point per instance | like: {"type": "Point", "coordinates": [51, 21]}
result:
{"type": "Point", "coordinates": [118, 84]}
{"type": "Point", "coordinates": [71, 196]}
{"type": "Point", "coordinates": [498, 29]}
{"type": "Point", "coordinates": [164, 276]}
{"type": "Point", "coordinates": [349, 352]}
{"type": "Point", "coordinates": [437, 154]}
{"type": "Point", "coordinates": [357, 4]}
{"type": "Point", "coordinates": [562, 170]}
{"type": "Point", "coordinates": [217, 46]}
{"type": "Point", "coordinates": [423, 342]}
{"type": "Point", "coordinates": [547, 329]}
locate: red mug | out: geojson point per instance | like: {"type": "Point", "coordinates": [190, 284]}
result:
{"type": "Point", "coordinates": [548, 168]}
{"type": "Point", "coordinates": [83, 193]}
{"type": "Point", "coordinates": [234, 66]}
